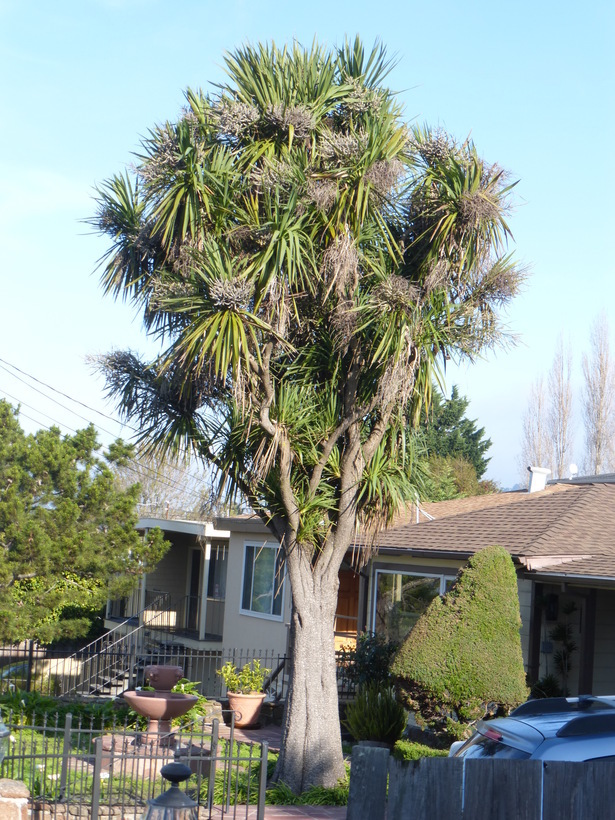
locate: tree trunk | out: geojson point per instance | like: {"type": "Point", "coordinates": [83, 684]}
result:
{"type": "Point", "coordinates": [311, 745]}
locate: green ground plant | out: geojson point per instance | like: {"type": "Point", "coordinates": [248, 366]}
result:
{"type": "Point", "coordinates": [375, 715]}
{"type": "Point", "coordinates": [411, 750]}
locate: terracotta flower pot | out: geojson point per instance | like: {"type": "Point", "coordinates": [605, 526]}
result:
{"type": "Point", "coordinates": [163, 677]}
{"type": "Point", "coordinates": [247, 707]}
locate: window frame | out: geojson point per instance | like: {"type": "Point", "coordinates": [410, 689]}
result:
{"type": "Point", "coordinates": [416, 572]}
{"type": "Point", "coordinates": [278, 566]}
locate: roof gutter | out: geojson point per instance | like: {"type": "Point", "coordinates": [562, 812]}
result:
{"type": "Point", "coordinates": [535, 562]}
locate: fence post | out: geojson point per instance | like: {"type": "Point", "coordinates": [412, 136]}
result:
{"type": "Point", "coordinates": [228, 761]}
{"type": "Point", "coordinates": [68, 725]}
{"type": "Point", "coordinates": [30, 665]}
{"type": "Point", "coordinates": [213, 758]}
{"type": "Point", "coordinates": [132, 662]}
{"type": "Point", "coordinates": [97, 772]}
{"type": "Point", "coordinates": [368, 783]}
{"type": "Point", "coordinates": [262, 785]}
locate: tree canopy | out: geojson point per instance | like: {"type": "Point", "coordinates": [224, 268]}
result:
{"type": "Point", "coordinates": [455, 449]}
{"type": "Point", "coordinates": [306, 261]}
{"type": "Point", "coordinates": [448, 431]}
{"type": "Point", "coordinates": [67, 533]}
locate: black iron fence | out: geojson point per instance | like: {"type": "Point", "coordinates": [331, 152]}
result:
{"type": "Point", "coordinates": [108, 670]}
{"type": "Point", "coordinates": [79, 770]}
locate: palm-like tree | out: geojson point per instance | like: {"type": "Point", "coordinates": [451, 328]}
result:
{"type": "Point", "coordinates": [306, 261]}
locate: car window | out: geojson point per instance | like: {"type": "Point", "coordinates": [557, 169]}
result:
{"type": "Point", "coordinates": [481, 746]}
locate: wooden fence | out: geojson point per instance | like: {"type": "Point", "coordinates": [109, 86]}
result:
{"type": "Point", "coordinates": [458, 789]}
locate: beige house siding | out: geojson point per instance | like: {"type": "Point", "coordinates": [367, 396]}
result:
{"type": "Point", "coordinates": [171, 573]}
{"type": "Point", "coordinates": [249, 631]}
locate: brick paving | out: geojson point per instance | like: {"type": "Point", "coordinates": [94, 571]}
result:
{"type": "Point", "coordinates": [271, 733]}
{"type": "Point", "coordinates": [293, 812]}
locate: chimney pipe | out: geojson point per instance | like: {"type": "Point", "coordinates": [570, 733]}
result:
{"type": "Point", "coordinates": [538, 478]}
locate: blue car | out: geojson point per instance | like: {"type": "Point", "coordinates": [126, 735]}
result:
{"type": "Point", "coordinates": [575, 729]}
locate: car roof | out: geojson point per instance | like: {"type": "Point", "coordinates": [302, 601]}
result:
{"type": "Point", "coordinates": [536, 721]}
{"type": "Point", "coordinates": [568, 716]}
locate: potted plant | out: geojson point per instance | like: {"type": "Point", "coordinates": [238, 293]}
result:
{"type": "Point", "coordinates": [244, 690]}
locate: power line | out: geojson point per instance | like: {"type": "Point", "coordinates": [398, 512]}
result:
{"type": "Point", "coordinates": [66, 396]}
{"type": "Point", "coordinates": [63, 406]}
{"type": "Point", "coordinates": [164, 481]}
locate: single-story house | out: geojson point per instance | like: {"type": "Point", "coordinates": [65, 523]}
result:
{"type": "Point", "coordinates": [224, 586]}
{"type": "Point", "coordinates": [214, 589]}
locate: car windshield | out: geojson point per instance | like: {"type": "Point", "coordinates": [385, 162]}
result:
{"type": "Point", "coordinates": [481, 746]}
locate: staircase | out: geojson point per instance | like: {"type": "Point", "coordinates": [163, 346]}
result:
{"type": "Point", "coordinates": [115, 661]}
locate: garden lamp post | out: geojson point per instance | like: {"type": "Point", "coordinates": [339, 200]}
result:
{"type": "Point", "coordinates": [174, 804]}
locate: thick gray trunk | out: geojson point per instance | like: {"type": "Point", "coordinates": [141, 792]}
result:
{"type": "Point", "coordinates": [312, 747]}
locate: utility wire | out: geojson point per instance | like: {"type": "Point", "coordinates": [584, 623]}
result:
{"type": "Point", "coordinates": [164, 481]}
{"type": "Point", "coordinates": [66, 396]}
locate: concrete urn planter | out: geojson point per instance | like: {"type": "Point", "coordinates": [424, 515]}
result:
{"type": "Point", "coordinates": [247, 707]}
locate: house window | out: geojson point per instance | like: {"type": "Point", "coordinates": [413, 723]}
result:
{"type": "Point", "coordinates": [262, 580]}
{"type": "Point", "coordinates": [401, 598]}
{"type": "Point", "coordinates": [216, 583]}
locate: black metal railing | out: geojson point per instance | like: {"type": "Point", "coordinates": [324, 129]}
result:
{"type": "Point", "coordinates": [73, 768]}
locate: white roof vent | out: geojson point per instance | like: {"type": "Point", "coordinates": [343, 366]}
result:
{"type": "Point", "coordinates": [538, 478]}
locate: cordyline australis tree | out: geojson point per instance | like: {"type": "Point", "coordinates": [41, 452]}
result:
{"type": "Point", "coordinates": [305, 260]}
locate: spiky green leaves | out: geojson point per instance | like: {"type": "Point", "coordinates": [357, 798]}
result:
{"type": "Point", "coordinates": [294, 248]}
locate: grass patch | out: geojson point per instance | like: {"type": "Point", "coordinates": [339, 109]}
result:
{"type": "Point", "coordinates": [411, 750]}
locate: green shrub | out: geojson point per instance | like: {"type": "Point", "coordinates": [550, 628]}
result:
{"type": "Point", "coordinates": [547, 687]}
{"type": "Point", "coordinates": [410, 750]}
{"type": "Point", "coordinates": [463, 657]}
{"type": "Point", "coordinates": [370, 660]}
{"type": "Point", "coordinates": [376, 715]}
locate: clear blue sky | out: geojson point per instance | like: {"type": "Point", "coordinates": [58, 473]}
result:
{"type": "Point", "coordinates": [532, 82]}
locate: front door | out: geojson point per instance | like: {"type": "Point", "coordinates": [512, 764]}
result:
{"type": "Point", "coordinates": [347, 615]}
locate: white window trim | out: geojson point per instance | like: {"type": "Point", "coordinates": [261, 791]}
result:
{"type": "Point", "coordinates": [249, 612]}
{"type": "Point", "coordinates": [443, 579]}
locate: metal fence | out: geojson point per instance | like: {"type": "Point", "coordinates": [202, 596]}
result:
{"type": "Point", "coordinates": [110, 671]}
{"type": "Point", "coordinates": [107, 671]}
{"type": "Point", "coordinates": [80, 770]}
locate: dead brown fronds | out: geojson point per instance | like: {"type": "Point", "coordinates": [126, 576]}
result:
{"type": "Point", "coordinates": [322, 192]}
{"type": "Point", "coordinates": [340, 265]}
{"type": "Point", "coordinates": [437, 277]}
{"type": "Point", "coordinates": [396, 294]}
{"type": "Point", "coordinates": [297, 117]}
{"type": "Point", "coordinates": [385, 175]}
{"type": "Point", "coordinates": [235, 117]}
{"type": "Point", "coordinates": [397, 381]}
{"type": "Point", "coordinates": [275, 306]}
{"type": "Point", "coordinates": [476, 208]}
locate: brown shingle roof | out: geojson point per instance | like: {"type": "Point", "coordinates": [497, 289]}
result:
{"type": "Point", "coordinates": [562, 522]}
